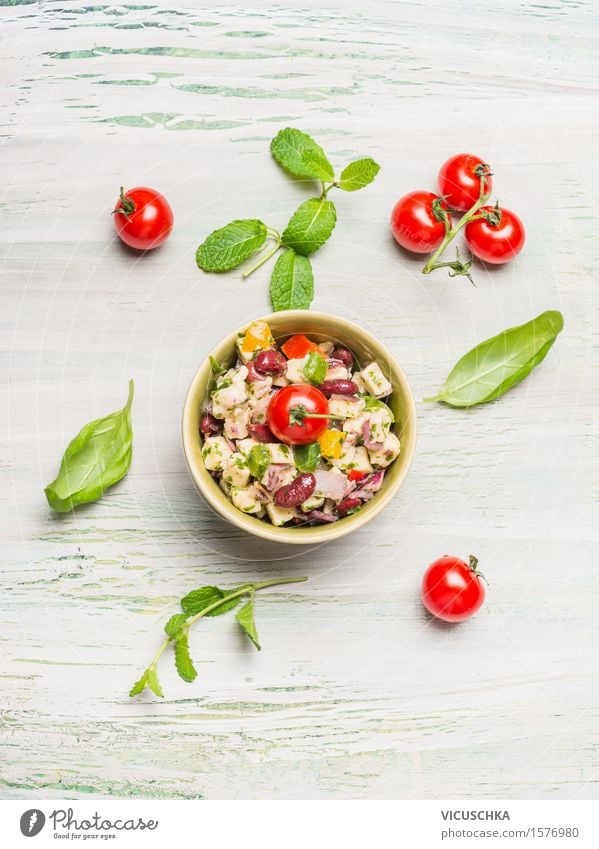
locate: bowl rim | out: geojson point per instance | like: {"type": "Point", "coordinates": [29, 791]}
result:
{"type": "Point", "coordinates": [320, 533]}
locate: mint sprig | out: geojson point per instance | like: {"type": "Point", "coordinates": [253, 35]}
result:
{"type": "Point", "coordinates": [205, 601]}
{"type": "Point", "coordinates": [308, 229]}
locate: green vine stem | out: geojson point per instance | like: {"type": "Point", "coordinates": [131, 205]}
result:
{"type": "Point", "coordinates": [265, 257]}
{"type": "Point", "coordinates": [451, 233]}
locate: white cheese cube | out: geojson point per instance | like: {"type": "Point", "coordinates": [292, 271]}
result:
{"type": "Point", "coordinates": [312, 503]}
{"type": "Point", "coordinates": [375, 381]}
{"type": "Point", "coordinates": [258, 410]}
{"type": "Point", "coordinates": [354, 429]}
{"type": "Point", "coordinates": [346, 406]}
{"type": "Point", "coordinates": [295, 371]}
{"type": "Point", "coordinates": [380, 422]}
{"type": "Point", "coordinates": [280, 515]}
{"type": "Point", "coordinates": [259, 389]}
{"type": "Point", "coordinates": [337, 373]}
{"type": "Point", "coordinates": [225, 486]}
{"type": "Point", "coordinates": [245, 445]}
{"type": "Point", "coordinates": [246, 499]}
{"type": "Point", "coordinates": [215, 453]}
{"type": "Point", "coordinates": [387, 454]}
{"type": "Point", "coordinates": [278, 452]}
{"type": "Point", "coordinates": [346, 461]}
{"type": "Point", "coordinates": [236, 423]}
{"type": "Point", "coordinates": [229, 396]}
{"type": "Point", "coordinates": [359, 381]}
{"type": "Point", "coordinates": [277, 476]}
{"type": "Point", "coordinates": [361, 460]}
{"type": "Point", "coordinates": [236, 471]}
{"type": "Point", "coordinates": [280, 380]}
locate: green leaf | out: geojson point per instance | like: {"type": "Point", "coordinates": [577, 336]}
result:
{"type": "Point", "coordinates": [97, 458]}
{"type": "Point", "coordinates": [183, 660]}
{"type": "Point", "coordinates": [292, 283]}
{"type": "Point", "coordinates": [245, 617]}
{"type": "Point", "coordinates": [258, 461]}
{"type": "Point", "coordinates": [216, 366]}
{"type": "Point", "coordinates": [358, 174]}
{"type": "Point", "coordinates": [371, 403]}
{"type": "Point", "coordinates": [231, 245]}
{"type": "Point", "coordinates": [198, 600]}
{"type": "Point", "coordinates": [306, 457]}
{"type": "Point", "coordinates": [299, 154]}
{"type": "Point", "coordinates": [315, 368]}
{"type": "Point", "coordinates": [140, 685]}
{"type": "Point", "coordinates": [154, 683]}
{"type": "Point", "coordinates": [174, 624]}
{"type": "Point", "coordinates": [310, 226]}
{"type": "Point", "coordinates": [491, 368]}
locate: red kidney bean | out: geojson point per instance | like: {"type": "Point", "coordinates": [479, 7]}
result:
{"type": "Point", "coordinates": [345, 355]}
{"type": "Point", "coordinates": [253, 375]}
{"type": "Point", "coordinates": [338, 387]}
{"type": "Point", "coordinates": [209, 425]}
{"type": "Point", "coordinates": [270, 362]}
{"type": "Point", "coordinates": [347, 505]}
{"type": "Point", "coordinates": [295, 493]}
{"type": "Point", "coordinates": [261, 433]}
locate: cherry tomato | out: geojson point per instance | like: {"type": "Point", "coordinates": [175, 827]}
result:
{"type": "Point", "coordinates": [452, 590]}
{"type": "Point", "coordinates": [495, 243]}
{"type": "Point", "coordinates": [143, 218]}
{"type": "Point", "coordinates": [459, 182]}
{"type": "Point", "coordinates": [290, 402]}
{"type": "Point", "coordinates": [414, 225]}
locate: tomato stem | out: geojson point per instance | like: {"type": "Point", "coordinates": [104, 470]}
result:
{"type": "Point", "coordinates": [299, 413]}
{"type": "Point", "coordinates": [265, 256]}
{"type": "Point", "coordinates": [451, 233]}
{"type": "Point", "coordinates": [127, 207]}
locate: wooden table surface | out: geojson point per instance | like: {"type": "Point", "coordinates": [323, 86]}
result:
{"type": "Point", "coordinates": [356, 693]}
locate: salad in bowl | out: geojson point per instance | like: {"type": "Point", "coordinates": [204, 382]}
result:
{"type": "Point", "coordinates": [299, 428]}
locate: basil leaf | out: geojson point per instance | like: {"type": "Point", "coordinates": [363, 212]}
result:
{"type": "Point", "coordinates": [154, 683]}
{"type": "Point", "coordinates": [258, 461]}
{"type": "Point", "coordinates": [292, 282]}
{"type": "Point", "coordinates": [299, 154]}
{"type": "Point", "coordinates": [245, 617]}
{"type": "Point", "coordinates": [216, 366]}
{"type": "Point", "coordinates": [371, 403]}
{"type": "Point", "coordinates": [497, 364]}
{"type": "Point", "coordinates": [198, 600]}
{"type": "Point", "coordinates": [174, 624]}
{"type": "Point", "coordinates": [306, 457]}
{"type": "Point", "coordinates": [315, 368]}
{"type": "Point", "coordinates": [97, 458]}
{"type": "Point", "coordinates": [229, 246]}
{"type": "Point", "coordinates": [358, 174]}
{"type": "Point", "coordinates": [310, 226]}
{"type": "Point", "coordinates": [183, 660]}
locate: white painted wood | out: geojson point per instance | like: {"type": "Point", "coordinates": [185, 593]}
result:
{"type": "Point", "coordinates": [355, 694]}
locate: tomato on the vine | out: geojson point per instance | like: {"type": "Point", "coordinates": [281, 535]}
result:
{"type": "Point", "coordinates": [459, 180]}
{"type": "Point", "coordinates": [497, 237]}
{"type": "Point", "coordinates": [143, 218]}
{"type": "Point", "coordinates": [452, 590]}
{"type": "Point", "coordinates": [414, 223]}
{"type": "Point", "coordinates": [289, 411]}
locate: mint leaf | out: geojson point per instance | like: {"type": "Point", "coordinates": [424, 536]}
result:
{"type": "Point", "coordinates": [154, 683]}
{"type": "Point", "coordinates": [245, 617]}
{"type": "Point", "coordinates": [358, 174]}
{"type": "Point", "coordinates": [310, 226]}
{"type": "Point", "coordinates": [258, 461]}
{"type": "Point", "coordinates": [292, 282]}
{"type": "Point", "coordinates": [183, 660]}
{"type": "Point", "coordinates": [231, 245]}
{"type": "Point", "coordinates": [140, 685]}
{"type": "Point", "coordinates": [306, 457]}
{"type": "Point", "coordinates": [174, 624]}
{"type": "Point", "coordinates": [315, 368]}
{"type": "Point", "coordinates": [198, 600]}
{"type": "Point", "coordinates": [216, 366]}
{"type": "Point", "coordinates": [299, 154]}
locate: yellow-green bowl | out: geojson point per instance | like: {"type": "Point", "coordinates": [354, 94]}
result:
{"type": "Point", "coordinates": [319, 327]}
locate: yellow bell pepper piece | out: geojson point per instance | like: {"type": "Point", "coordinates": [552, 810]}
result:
{"type": "Point", "coordinates": [331, 444]}
{"type": "Point", "coordinates": [257, 338]}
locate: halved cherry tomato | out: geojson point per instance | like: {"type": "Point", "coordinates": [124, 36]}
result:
{"type": "Point", "coordinates": [459, 180]}
{"type": "Point", "coordinates": [288, 404]}
{"type": "Point", "coordinates": [298, 346]}
{"type": "Point", "coordinates": [143, 218]}
{"type": "Point", "coordinates": [452, 589]}
{"type": "Point", "coordinates": [495, 243]}
{"type": "Point", "coordinates": [355, 475]}
{"type": "Point", "coordinates": [414, 224]}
